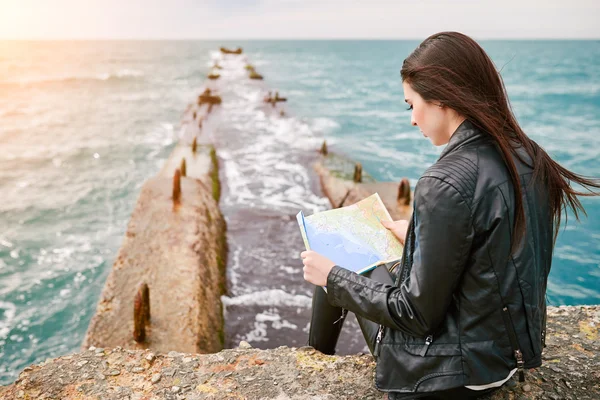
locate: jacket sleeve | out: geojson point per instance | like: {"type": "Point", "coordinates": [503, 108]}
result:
{"type": "Point", "coordinates": [443, 237]}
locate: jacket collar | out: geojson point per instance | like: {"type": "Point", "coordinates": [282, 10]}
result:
{"type": "Point", "coordinates": [465, 133]}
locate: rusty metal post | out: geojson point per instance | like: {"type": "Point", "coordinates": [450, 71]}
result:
{"type": "Point", "coordinates": [358, 173]}
{"type": "Point", "coordinates": [341, 204]}
{"type": "Point", "coordinates": [324, 148]}
{"type": "Point", "coordinates": [183, 167]}
{"type": "Point", "coordinates": [146, 300]}
{"type": "Point", "coordinates": [177, 186]}
{"type": "Point", "coordinates": [139, 320]}
{"type": "Point", "coordinates": [404, 192]}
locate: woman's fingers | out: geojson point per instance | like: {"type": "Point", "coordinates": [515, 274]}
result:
{"type": "Point", "coordinates": [316, 267]}
{"type": "Point", "coordinates": [398, 228]}
{"type": "Point", "coordinates": [306, 265]}
{"type": "Point", "coordinates": [394, 224]}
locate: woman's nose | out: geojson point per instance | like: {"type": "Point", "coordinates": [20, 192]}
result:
{"type": "Point", "coordinates": [412, 121]}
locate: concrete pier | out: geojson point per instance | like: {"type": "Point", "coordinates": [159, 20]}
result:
{"type": "Point", "coordinates": [175, 245]}
{"type": "Point", "coordinates": [178, 250]}
{"type": "Point", "coordinates": [336, 174]}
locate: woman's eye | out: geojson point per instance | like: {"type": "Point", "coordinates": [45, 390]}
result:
{"type": "Point", "coordinates": [409, 108]}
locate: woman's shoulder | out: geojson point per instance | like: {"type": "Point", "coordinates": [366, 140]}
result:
{"type": "Point", "coordinates": [472, 171]}
{"type": "Point", "coordinates": [458, 169]}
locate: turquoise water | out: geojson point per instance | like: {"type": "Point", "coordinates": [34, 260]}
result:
{"type": "Point", "coordinates": [83, 124]}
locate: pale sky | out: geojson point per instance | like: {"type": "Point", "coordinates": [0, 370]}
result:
{"type": "Point", "coordinates": [296, 19]}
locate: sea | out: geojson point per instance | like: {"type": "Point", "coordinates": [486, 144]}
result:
{"type": "Point", "coordinates": [84, 123]}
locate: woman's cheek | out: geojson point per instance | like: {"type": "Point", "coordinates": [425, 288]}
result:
{"type": "Point", "coordinates": [421, 121]}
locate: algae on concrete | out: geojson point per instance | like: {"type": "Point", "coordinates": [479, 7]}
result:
{"type": "Point", "coordinates": [214, 174]}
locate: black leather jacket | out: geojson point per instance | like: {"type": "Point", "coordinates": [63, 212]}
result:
{"type": "Point", "coordinates": [463, 310]}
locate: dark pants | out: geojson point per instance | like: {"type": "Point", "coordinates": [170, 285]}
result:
{"type": "Point", "coordinates": [326, 325]}
{"type": "Point", "coordinates": [326, 321]}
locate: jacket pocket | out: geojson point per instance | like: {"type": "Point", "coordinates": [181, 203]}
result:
{"type": "Point", "coordinates": [402, 371]}
{"type": "Point", "coordinates": [428, 348]}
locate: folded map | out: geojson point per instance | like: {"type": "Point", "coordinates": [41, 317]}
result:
{"type": "Point", "coordinates": [352, 236]}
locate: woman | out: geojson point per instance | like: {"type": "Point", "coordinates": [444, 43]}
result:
{"type": "Point", "coordinates": [466, 309]}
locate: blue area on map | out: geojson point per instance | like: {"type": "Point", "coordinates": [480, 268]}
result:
{"type": "Point", "coordinates": [348, 254]}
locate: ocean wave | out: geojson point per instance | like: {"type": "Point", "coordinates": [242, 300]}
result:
{"type": "Point", "coordinates": [273, 298]}
{"type": "Point", "coordinates": [260, 327]}
{"type": "Point", "coordinates": [567, 252]}
{"type": "Point", "coordinates": [569, 291]}
{"type": "Point", "coordinates": [275, 319]}
{"type": "Point", "coordinates": [324, 125]}
{"type": "Point", "coordinates": [377, 113]}
{"type": "Point", "coordinates": [122, 74]}
{"type": "Point", "coordinates": [137, 96]}
{"type": "Point", "coordinates": [544, 89]}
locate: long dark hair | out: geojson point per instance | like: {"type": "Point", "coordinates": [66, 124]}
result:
{"type": "Point", "coordinates": [451, 68]}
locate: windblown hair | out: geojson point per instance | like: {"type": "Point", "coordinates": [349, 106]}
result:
{"type": "Point", "coordinates": [453, 69]}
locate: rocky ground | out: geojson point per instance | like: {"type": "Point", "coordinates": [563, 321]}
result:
{"type": "Point", "coordinates": [571, 370]}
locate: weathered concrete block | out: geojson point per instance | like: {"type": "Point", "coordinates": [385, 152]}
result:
{"type": "Point", "coordinates": [338, 174]}
{"type": "Point", "coordinates": [180, 254]}
{"type": "Point", "coordinates": [570, 371]}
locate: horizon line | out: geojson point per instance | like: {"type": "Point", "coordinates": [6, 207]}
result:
{"type": "Point", "coordinates": [287, 39]}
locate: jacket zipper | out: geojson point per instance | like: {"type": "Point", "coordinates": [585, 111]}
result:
{"type": "Point", "coordinates": [406, 265]}
{"type": "Point", "coordinates": [380, 334]}
{"type": "Point", "coordinates": [342, 317]}
{"type": "Point", "coordinates": [400, 278]}
{"type": "Point", "coordinates": [378, 339]}
{"type": "Point", "coordinates": [544, 327]}
{"type": "Point", "coordinates": [428, 341]}
{"type": "Point", "coordinates": [380, 331]}
{"type": "Point", "coordinates": [512, 336]}
{"type": "Point", "coordinates": [434, 375]}
{"type": "Point", "coordinates": [402, 275]}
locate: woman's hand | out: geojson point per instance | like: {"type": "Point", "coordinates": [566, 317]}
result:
{"type": "Point", "coordinates": [398, 228]}
{"type": "Point", "coordinates": [316, 267]}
